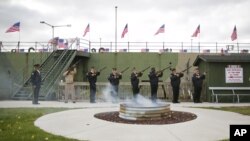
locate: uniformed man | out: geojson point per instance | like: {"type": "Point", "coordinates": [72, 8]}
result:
{"type": "Point", "coordinates": [36, 80]}
{"type": "Point", "coordinates": [69, 86]}
{"type": "Point", "coordinates": [154, 79]}
{"type": "Point", "coordinates": [92, 77]}
{"type": "Point", "coordinates": [135, 82]}
{"type": "Point", "coordinates": [197, 80]}
{"type": "Point", "coordinates": [175, 83]}
{"type": "Point", "coordinates": [114, 79]}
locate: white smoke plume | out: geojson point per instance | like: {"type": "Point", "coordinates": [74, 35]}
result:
{"type": "Point", "coordinates": [109, 94]}
{"type": "Point", "coordinates": [138, 101]}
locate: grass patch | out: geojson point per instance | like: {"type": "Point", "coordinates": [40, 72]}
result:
{"type": "Point", "coordinates": [17, 124]}
{"type": "Point", "coordinates": [244, 110]}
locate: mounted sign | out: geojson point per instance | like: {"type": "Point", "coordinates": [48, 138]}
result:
{"type": "Point", "coordinates": [234, 74]}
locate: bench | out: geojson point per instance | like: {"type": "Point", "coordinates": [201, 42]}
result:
{"type": "Point", "coordinates": [233, 92]}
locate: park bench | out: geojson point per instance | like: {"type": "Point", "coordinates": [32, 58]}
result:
{"type": "Point", "coordinates": [216, 91]}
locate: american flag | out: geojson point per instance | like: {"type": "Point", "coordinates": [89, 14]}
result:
{"type": "Point", "coordinates": [161, 29]}
{"type": "Point", "coordinates": [197, 31]}
{"type": "Point", "coordinates": [61, 43]}
{"type": "Point", "coordinates": [125, 31]}
{"type": "Point", "coordinates": [234, 34]}
{"type": "Point", "coordinates": [54, 40]}
{"type": "Point", "coordinates": [86, 30]}
{"type": "Point", "coordinates": [14, 28]}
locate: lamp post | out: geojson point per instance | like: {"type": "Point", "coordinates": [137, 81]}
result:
{"type": "Point", "coordinates": [54, 26]}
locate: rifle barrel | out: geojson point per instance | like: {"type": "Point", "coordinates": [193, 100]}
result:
{"type": "Point", "coordinates": [145, 69]}
{"type": "Point", "coordinates": [186, 69]}
{"type": "Point", "coordinates": [124, 70]}
{"type": "Point", "coordinates": [102, 69]}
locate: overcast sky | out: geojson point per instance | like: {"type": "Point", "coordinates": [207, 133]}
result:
{"type": "Point", "coordinates": [144, 17]}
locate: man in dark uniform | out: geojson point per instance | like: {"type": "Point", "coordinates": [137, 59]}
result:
{"type": "Point", "coordinates": [154, 79]}
{"type": "Point", "coordinates": [175, 83]}
{"type": "Point", "coordinates": [197, 80]}
{"type": "Point", "coordinates": [135, 82]}
{"type": "Point", "coordinates": [36, 83]}
{"type": "Point", "coordinates": [114, 79]}
{"type": "Point", "coordinates": [92, 77]}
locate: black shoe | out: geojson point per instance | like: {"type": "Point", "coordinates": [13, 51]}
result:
{"type": "Point", "coordinates": [66, 102]}
{"type": "Point", "coordinates": [74, 102]}
{"type": "Point", "coordinates": [176, 102]}
{"type": "Point", "coordinates": [92, 102]}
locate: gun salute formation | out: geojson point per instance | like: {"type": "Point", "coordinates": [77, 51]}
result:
{"type": "Point", "coordinates": [115, 77]}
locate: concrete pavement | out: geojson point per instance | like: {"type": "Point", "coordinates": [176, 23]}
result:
{"type": "Point", "coordinates": [211, 125]}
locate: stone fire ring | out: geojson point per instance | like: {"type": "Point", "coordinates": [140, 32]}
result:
{"type": "Point", "coordinates": [133, 112]}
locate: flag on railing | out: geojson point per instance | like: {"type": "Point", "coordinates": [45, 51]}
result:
{"type": "Point", "coordinates": [54, 40]}
{"type": "Point", "coordinates": [61, 43]}
{"type": "Point", "coordinates": [14, 28]}
{"type": "Point", "coordinates": [125, 30]}
{"type": "Point", "coordinates": [161, 29]}
{"type": "Point", "coordinates": [234, 34]}
{"type": "Point", "coordinates": [197, 31]}
{"type": "Point", "coordinates": [86, 30]}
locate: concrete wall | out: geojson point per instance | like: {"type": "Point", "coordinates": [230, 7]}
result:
{"type": "Point", "coordinates": [21, 64]}
{"type": "Point", "coordinates": [16, 67]}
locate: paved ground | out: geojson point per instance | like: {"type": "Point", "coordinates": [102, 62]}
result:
{"type": "Point", "coordinates": [211, 125]}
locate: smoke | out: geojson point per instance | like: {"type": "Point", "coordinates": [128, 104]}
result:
{"type": "Point", "coordinates": [141, 101]}
{"type": "Point", "coordinates": [109, 95]}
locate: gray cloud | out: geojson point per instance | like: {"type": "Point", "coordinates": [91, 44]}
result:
{"type": "Point", "coordinates": [181, 17]}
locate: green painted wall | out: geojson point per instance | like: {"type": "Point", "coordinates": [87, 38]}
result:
{"type": "Point", "coordinates": [15, 66]}
{"type": "Point", "coordinates": [21, 64]}
{"type": "Point", "coordinates": [216, 78]}
{"type": "Point", "coordinates": [138, 60]}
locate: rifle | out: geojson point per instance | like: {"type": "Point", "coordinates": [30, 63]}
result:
{"type": "Point", "coordinates": [102, 69]}
{"type": "Point", "coordinates": [140, 72]}
{"type": "Point", "coordinates": [145, 69]}
{"type": "Point", "coordinates": [186, 69]}
{"type": "Point", "coordinates": [72, 67]}
{"type": "Point", "coordinates": [124, 69]}
{"type": "Point", "coordinates": [161, 71]}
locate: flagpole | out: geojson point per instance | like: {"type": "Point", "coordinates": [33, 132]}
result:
{"type": "Point", "coordinates": [18, 44]}
{"type": "Point", "coordinates": [89, 41]}
{"type": "Point", "coordinates": [199, 42]}
{"type": "Point", "coordinates": [238, 45]}
{"type": "Point", "coordinates": [164, 36]}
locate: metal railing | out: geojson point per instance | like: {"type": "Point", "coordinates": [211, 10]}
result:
{"type": "Point", "coordinates": [92, 46]}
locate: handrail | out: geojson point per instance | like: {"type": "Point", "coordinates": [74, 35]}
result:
{"type": "Point", "coordinates": [186, 47]}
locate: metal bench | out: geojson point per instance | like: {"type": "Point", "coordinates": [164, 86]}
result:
{"type": "Point", "coordinates": [232, 89]}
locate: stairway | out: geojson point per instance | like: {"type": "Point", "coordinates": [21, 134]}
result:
{"type": "Point", "coordinates": [51, 70]}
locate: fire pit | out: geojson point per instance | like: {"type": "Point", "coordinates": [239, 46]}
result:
{"type": "Point", "coordinates": [130, 111]}
{"type": "Point", "coordinates": [144, 111]}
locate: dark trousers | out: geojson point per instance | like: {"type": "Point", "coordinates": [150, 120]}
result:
{"type": "Point", "coordinates": [154, 89]}
{"type": "Point", "coordinates": [36, 94]}
{"type": "Point", "coordinates": [92, 93]}
{"type": "Point", "coordinates": [114, 92]}
{"type": "Point", "coordinates": [135, 90]}
{"type": "Point", "coordinates": [197, 94]}
{"type": "Point", "coordinates": [176, 90]}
